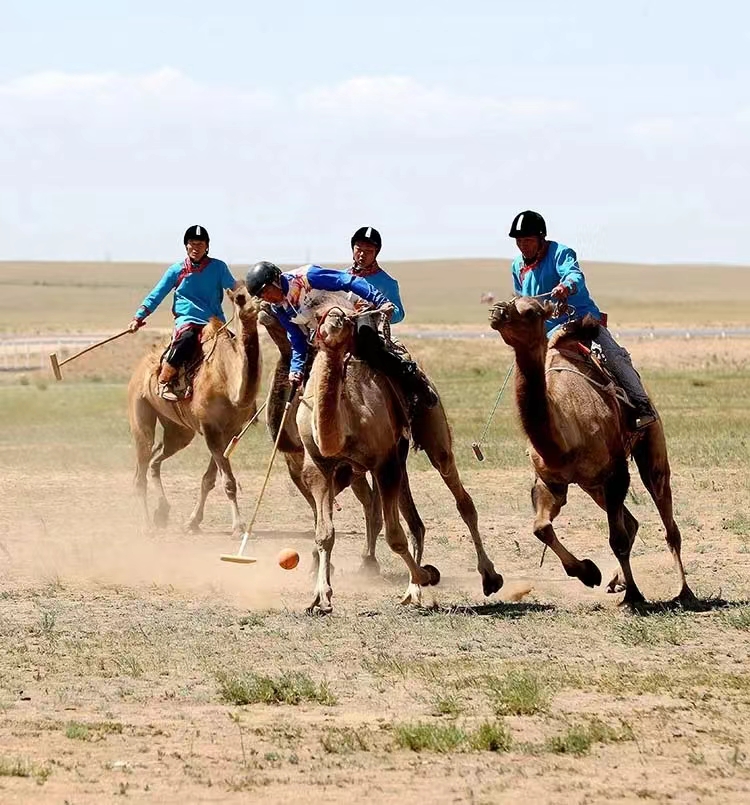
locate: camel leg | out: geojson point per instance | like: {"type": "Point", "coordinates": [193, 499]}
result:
{"type": "Point", "coordinates": [216, 441]}
{"type": "Point", "coordinates": [321, 488]}
{"type": "Point", "coordinates": [389, 478]}
{"type": "Point", "coordinates": [413, 520]}
{"type": "Point", "coordinates": [650, 454]}
{"type": "Point", "coordinates": [372, 508]}
{"type": "Point", "coordinates": [294, 465]}
{"type": "Point", "coordinates": [143, 428]}
{"type": "Point", "coordinates": [175, 439]}
{"type": "Point", "coordinates": [621, 537]}
{"type": "Point", "coordinates": [617, 583]}
{"type": "Point", "coordinates": [434, 434]}
{"type": "Point", "coordinates": [208, 482]}
{"type": "Point", "coordinates": [548, 500]}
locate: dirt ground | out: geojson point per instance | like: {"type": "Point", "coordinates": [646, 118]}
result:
{"type": "Point", "coordinates": [136, 665]}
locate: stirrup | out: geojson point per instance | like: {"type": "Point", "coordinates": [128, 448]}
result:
{"type": "Point", "coordinates": [166, 392]}
{"type": "Point", "coordinates": [642, 422]}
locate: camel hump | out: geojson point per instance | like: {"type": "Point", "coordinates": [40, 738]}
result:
{"type": "Point", "coordinates": [210, 330]}
{"type": "Point", "coordinates": [584, 330]}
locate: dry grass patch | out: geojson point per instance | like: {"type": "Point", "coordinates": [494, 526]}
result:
{"type": "Point", "coordinates": [288, 688]}
{"type": "Point", "coordinates": [579, 738]}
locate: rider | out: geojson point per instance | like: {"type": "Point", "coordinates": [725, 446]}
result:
{"type": "Point", "coordinates": [366, 244]}
{"type": "Point", "coordinates": [296, 295]}
{"type": "Point", "coordinates": [547, 268]}
{"type": "Point", "coordinates": [198, 283]}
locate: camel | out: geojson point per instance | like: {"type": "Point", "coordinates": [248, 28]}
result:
{"type": "Point", "coordinates": [224, 393]}
{"type": "Point", "coordinates": [430, 430]}
{"type": "Point", "coordinates": [578, 435]}
{"type": "Point", "coordinates": [351, 419]}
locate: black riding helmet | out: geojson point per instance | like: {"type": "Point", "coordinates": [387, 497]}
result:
{"type": "Point", "coordinates": [196, 233]}
{"type": "Point", "coordinates": [260, 275]}
{"type": "Point", "coordinates": [528, 224]}
{"type": "Point", "coordinates": [369, 234]}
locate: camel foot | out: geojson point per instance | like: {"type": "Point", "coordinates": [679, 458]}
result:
{"type": "Point", "coordinates": [589, 573]}
{"type": "Point", "coordinates": [161, 515]}
{"type": "Point", "coordinates": [369, 566]}
{"type": "Point", "coordinates": [491, 582]}
{"type": "Point", "coordinates": [633, 599]}
{"type": "Point", "coordinates": [433, 573]}
{"type": "Point", "coordinates": [321, 603]}
{"type": "Point", "coordinates": [413, 595]}
{"type": "Point", "coordinates": [687, 599]}
{"type": "Point", "coordinates": [192, 527]}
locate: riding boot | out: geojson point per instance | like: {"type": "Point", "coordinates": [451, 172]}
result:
{"type": "Point", "coordinates": [618, 361]}
{"type": "Point", "coordinates": [415, 384]}
{"type": "Point", "coordinates": [167, 376]}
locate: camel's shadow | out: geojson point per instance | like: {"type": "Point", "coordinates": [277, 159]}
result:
{"type": "Point", "coordinates": [499, 610]}
{"type": "Point", "coordinates": [673, 606]}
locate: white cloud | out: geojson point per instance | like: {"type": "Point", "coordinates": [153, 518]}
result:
{"type": "Point", "coordinates": [402, 102]}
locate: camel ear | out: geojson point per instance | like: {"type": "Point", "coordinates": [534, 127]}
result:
{"type": "Point", "coordinates": [549, 309]}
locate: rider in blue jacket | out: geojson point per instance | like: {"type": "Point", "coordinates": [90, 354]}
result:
{"type": "Point", "coordinates": [366, 244]}
{"type": "Point", "coordinates": [296, 298]}
{"type": "Point", "coordinates": [547, 268]}
{"type": "Point", "coordinates": [198, 282]}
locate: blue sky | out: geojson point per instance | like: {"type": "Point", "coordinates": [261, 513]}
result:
{"type": "Point", "coordinates": [282, 127]}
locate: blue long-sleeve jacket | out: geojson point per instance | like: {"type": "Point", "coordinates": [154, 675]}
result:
{"type": "Point", "coordinates": [558, 266]}
{"type": "Point", "coordinates": [198, 292]}
{"type": "Point", "coordinates": [388, 286]}
{"type": "Point", "coordinates": [305, 290]}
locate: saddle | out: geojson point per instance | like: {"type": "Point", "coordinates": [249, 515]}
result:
{"type": "Point", "coordinates": [182, 385]}
{"type": "Point", "coordinates": [587, 352]}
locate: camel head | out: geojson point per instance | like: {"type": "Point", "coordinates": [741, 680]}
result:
{"type": "Point", "coordinates": [246, 307]}
{"type": "Point", "coordinates": [520, 321]}
{"type": "Point", "coordinates": [335, 331]}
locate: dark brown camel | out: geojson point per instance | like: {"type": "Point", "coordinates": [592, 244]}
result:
{"type": "Point", "coordinates": [224, 397]}
{"type": "Point", "coordinates": [430, 430]}
{"type": "Point", "coordinates": [579, 436]}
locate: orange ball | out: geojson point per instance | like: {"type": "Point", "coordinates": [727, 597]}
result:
{"type": "Point", "coordinates": [288, 559]}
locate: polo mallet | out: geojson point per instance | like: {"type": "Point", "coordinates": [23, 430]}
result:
{"type": "Point", "coordinates": [233, 443]}
{"type": "Point", "coordinates": [56, 365]}
{"type": "Point", "coordinates": [476, 446]}
{"type": "Point", "coordinates": [239, 557]}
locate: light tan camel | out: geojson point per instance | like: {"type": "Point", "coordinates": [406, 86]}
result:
{"type": "Point", "coordinates": [430, 430]}
{"type": "Point", "coordinates": [351, 420]}
{"type": "Point", "coordinates": [578, 436]}
{"type": "Point", "coordinates": [224, 397]}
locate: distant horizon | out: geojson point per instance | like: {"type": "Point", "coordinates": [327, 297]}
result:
{"type": "Point", "coordinates": [384, 264]}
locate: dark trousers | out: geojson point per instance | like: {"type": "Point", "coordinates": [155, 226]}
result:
{"type": "Point", "coordinates": [185, 345]}
{"type": "Point", "coordinates": [620, 364]}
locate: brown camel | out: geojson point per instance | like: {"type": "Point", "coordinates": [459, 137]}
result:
{"type": "Point", "coordinates": [579, 436]}
{"type": "Point", "coordinates": [430, 430]}
{"type": "Point", "coordinates": [224, 392]}
{"type": "Point", "coordinates": [351, 420]}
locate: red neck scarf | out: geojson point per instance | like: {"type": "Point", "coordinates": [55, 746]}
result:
{"type": "Point", "coordinates": [364, 272]}
{"type": "Point", "coordinates": [189, 267]}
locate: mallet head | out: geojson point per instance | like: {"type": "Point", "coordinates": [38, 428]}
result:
{"type": "Point", "coordinates": [55, 366]}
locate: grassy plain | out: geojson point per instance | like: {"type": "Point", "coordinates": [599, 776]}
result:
{"type": "Point", "coordinates": [75, 297]}
{"type": "Point", "coordinates": [135, 665]}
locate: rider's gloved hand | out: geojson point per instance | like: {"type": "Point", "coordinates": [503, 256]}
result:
{"type": "Point", "coordinates": [388, 309]}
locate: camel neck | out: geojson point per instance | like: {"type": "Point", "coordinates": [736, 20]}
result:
{"type": "Point", "coordinates": [534, 406]}
{"type": "Point", "coordinates": [328, 403]}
